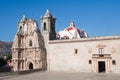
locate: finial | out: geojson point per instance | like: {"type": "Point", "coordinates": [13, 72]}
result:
{"type": "Point", "coordinates": [72, 24]}
{"type": "Point", "coordinates": [23, 18]}
{"type": "Point", "coordinates": [47, 11]}
{"type": "Point", "coordinates": [23, 15]}
{"type": "Point", "coordinates": [47, 14]}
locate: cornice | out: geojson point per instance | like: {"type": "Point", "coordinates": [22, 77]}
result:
{"type": "Point", "coordinates": [102, 38]}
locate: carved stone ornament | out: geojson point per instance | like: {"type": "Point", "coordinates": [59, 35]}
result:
{"type": "Point", "coordinates": [101, 46]}
{"type": "Point", "coordinates": [89, 50]}
{"type": "Point", "coordinates": [113, 50]}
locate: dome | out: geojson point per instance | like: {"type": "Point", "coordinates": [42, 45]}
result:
{"type": "Point", "coordinates": [71, 32]}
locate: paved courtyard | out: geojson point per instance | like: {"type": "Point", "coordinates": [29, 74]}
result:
{"type": "Point", "coordinates": [63, 76]}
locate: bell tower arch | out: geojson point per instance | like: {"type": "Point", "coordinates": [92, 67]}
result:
{"type": "Point", "coordinates": [48, 31]}
{"type": "Point", "coordinates": [48, 26]}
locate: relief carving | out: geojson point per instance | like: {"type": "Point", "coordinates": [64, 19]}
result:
{"type": "Point", "coordinates": [101, 46]}
{"type": "Point", "coordinates": [89, 50]}
{"type": "Point", "coordinates": [113, 50]}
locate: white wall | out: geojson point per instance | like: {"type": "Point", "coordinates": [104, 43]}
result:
{"type": "Point", "coordinates": [62, 56]}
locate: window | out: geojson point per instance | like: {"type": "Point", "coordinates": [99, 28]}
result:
{"type": "Point", "coordinates": [20, 28]}
{"type": "Point", "coordinates": [44, 25]}
{"type": "Point", "coordinates": [90, 61]}
{"type": "Point", "coordinates": [113, 62]}
{"type": "Point", "coordinates": [19, 54]}
{"type": "Point", "coordinates": [19, 65]}
{"type": "Point", "coordinates": [30, 43]}
{"type": "Point", "coordinates": [76, 51]}
{"type": "Point", "coordinates": [100, 50]}
{"type": "Point", "coordinates": [19, 43]}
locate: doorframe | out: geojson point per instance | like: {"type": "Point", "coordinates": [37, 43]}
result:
{"type": "Point", "coordinates": [30, 66]}
{"type": "Point", "coordinates": [107, 64]}
{"type": "Point", "coordinates": [100, 65]}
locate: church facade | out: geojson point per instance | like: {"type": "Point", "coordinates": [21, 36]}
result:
{"type": "Point", "coordinates": [67, 50]}
{"type": "Point", "coordinates": [28, 49]}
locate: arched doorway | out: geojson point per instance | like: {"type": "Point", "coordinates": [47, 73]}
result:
{"type": "Point", "coordinates": [30, 66]}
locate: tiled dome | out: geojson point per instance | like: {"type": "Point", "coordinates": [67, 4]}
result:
{"type": "Point", "coordinates": [71, 32]}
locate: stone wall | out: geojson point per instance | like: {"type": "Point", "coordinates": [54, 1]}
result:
{"type": "Point", "coordinates": [76, 54]}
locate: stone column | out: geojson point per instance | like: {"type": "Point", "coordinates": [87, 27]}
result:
{"type": "Point", "coordinates": [108, 68]}
{"type": "Point", "coordinates": [94, 64]}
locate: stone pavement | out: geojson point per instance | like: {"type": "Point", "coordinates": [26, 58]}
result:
{"type": "Point", "coordinates": [64, 76]}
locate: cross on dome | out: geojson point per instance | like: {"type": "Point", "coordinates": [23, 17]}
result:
{"type": "Point", "coordinates": [72, 24]}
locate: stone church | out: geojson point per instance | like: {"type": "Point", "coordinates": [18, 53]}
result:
{"type": "Point", "coordinates": [70, 49]}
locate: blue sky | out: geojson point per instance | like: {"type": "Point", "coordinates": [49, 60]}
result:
{"type": "Point", "coordinates": [96, 17]}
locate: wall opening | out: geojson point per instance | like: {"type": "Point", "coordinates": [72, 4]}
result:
{"type": "Point", "coordinates": [113, 62]}
{"type": "Point", "coordinates": [90, 61]}
{"type": "Point", "coordinates": [30, 66]}
{"type": "Point", "coordinates": [101, 66]}
{"type": "Point", "coordinates": [30, 43]}
{"type": "Point", "coordinates": [75, 51]}
{"type": "Point", "coordinates": [19, 42]}
{"type": "Point", "coordinates": [20, 28]}
{"type": "Point", "coordinates": [45, 26]}
{"type": "Point", "coordinates": [19, 65]}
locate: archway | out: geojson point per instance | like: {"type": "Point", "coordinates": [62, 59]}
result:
{"type": "Point", "coordinates": [30, 66]}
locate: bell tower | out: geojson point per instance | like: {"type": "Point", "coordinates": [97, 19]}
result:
{"type": "Point", "coordinates": [48, 32]}
{"type": "Point", "coordinates": [48, 26]}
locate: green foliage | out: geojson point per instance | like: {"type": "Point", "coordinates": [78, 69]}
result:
{"type": "Point", "coordinates": [2, 62]}
{"type": "Point", "coordinates": [9, 57]}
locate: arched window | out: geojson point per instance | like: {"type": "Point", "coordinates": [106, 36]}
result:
{"type": "Point", "coordinates": [44, 26]}
{"type": "Point", "coordinates": [30, 43]}
{"type": "Point", "coordinates": [19, 43]}
{"type": "Point", "coordinates": [19, 54]}
{"type": "Point", "coordinates": [20, 28]}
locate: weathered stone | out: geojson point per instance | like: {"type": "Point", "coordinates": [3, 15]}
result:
{"type": "Point", "coordinates": [32, 49]}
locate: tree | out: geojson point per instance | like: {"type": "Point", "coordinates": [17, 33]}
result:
{"type": "Point", "coordinates": [2, 62]}
{"type": "Point", "coordinates": [9, 57]}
